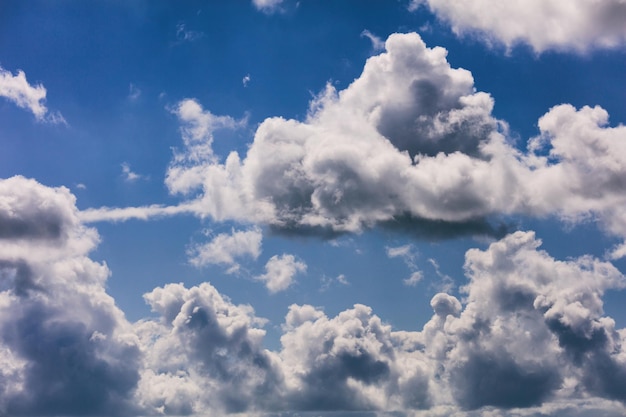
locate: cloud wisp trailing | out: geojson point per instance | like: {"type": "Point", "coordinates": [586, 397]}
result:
{"type": "Point", "coordinates": [18, 90]}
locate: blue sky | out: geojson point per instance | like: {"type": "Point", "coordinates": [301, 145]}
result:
{"type": "Point", "coordinates": [291, 207]}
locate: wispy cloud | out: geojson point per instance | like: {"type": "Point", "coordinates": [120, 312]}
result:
{"type": "Point", "coordinates": [133, 92]}
{"type": "Point", "coordinates": [17, 89]}
{"type": "Point", "coordinates": [377, 43]}
{"type": "Point", "coordinates": [186, 35]}
{"type": "Point", "coordinates": [128, 175]}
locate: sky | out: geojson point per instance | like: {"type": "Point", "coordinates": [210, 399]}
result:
{"type": "Point", "coordinates": [312, 208]}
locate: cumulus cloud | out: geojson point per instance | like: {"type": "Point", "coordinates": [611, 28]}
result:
{"type": "Point", "coordinates": [410, 146]}
{"type": "Point", "coordinates": [543, 24]}
{"type": "Point", "coordinates": [280, 272]}
{"type": "Point", "coordinates": [225, 249]}
{"type": "Point", "coordinates": [372, 153]}
{"type": "Point", "coordinates": [530, 335]}
{"type": "Point", "coordinates": [205, 354]}
{"type": "Point", "coordinates": [67, 348]}
{"type": "Point", "coordinates": [17, 89]}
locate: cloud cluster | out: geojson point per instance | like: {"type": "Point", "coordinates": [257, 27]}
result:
{"type": "Point", "coordinates": [530, 334]}
{"type": "Point", "coordinates": [16, 88]}
{"type": "Point", "coordinates": [409, 145]}
{"type": "Point", "coordinates": [65, 347]}
{"type": "Point", "coordinates": [543, 24]}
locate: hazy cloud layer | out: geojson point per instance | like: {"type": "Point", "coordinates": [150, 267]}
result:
{"type": "Point", "coordinates": [543, 24]}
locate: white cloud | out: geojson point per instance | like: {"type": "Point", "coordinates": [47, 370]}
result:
{"type": "Point", "coordinates": [350, 164]}
{"type": "Point", "coordinates": [267, 6]}
{"type": "Point", "coordinates": [409, 255]}
{"type": "Point", "coordinates": [128, 175]}
{"type": "Point", "coordinates": [16, 88]}
{"type": "Point", "coordinates": [414, 279]}
{"type": "Point", "coordinates": [530, 336]}
{"type": "Point", "coordinates": [543, 24]}
{"type": "Point", "coordinates": [377, 43]}
{"type": "Point", "coordinates": [409, 145]}
{"type": "Point", "coordinates": [246, 80]}
{"type": "Point", "coordinates": [225, 249]}
{"type": "Point", "coordinates": [280, 272]}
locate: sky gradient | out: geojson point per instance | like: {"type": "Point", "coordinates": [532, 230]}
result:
{"type": "Point", "coordinates": [280, 207]}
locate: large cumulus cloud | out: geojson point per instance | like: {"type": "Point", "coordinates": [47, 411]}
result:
{"type": "Point", "coordinates": [409, 145]}
{"type": "Point", "coordinates": [66, 348]}
{"type": "Point", "coordinates": [408, 139]}
{"type": "Point", "coordinates": [543, 24]}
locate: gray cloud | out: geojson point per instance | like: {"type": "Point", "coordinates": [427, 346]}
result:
{"type": "Point", "coordinates": [69, 349]}
{"type": "Point", "coordinates": [530, 337]}
{"type": "Point", "coordinates": [409, 145]}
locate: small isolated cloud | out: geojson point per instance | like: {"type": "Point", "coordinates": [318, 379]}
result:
{"type": "Point", "coordinates": [225, 249]}
{"type": "Point", "coordinates": [133, 92]}
{"type": "Point", "coordinates": [128, 175]}
{"type": "Point", "coordinates": [577, 25]}
{"type": "Point", "coordinates": [246, 79]}
{"type": "Point", "coordinates": [185, 35]}
{"type": "Point", "coordinates": [267, 6]}
{"type": "Point", "coordinates": [16, 89]}
{"type": "Point", "coordinates": [280, 272]}
{"type": "Point", "coordinates": [377, 43]}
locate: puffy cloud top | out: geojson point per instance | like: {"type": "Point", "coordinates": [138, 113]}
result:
{"type": "Point", "coordinates": [543, 24]}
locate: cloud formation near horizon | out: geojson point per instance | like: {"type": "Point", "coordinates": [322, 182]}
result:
{"type": "Point", "coordinates": [526, 318]}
